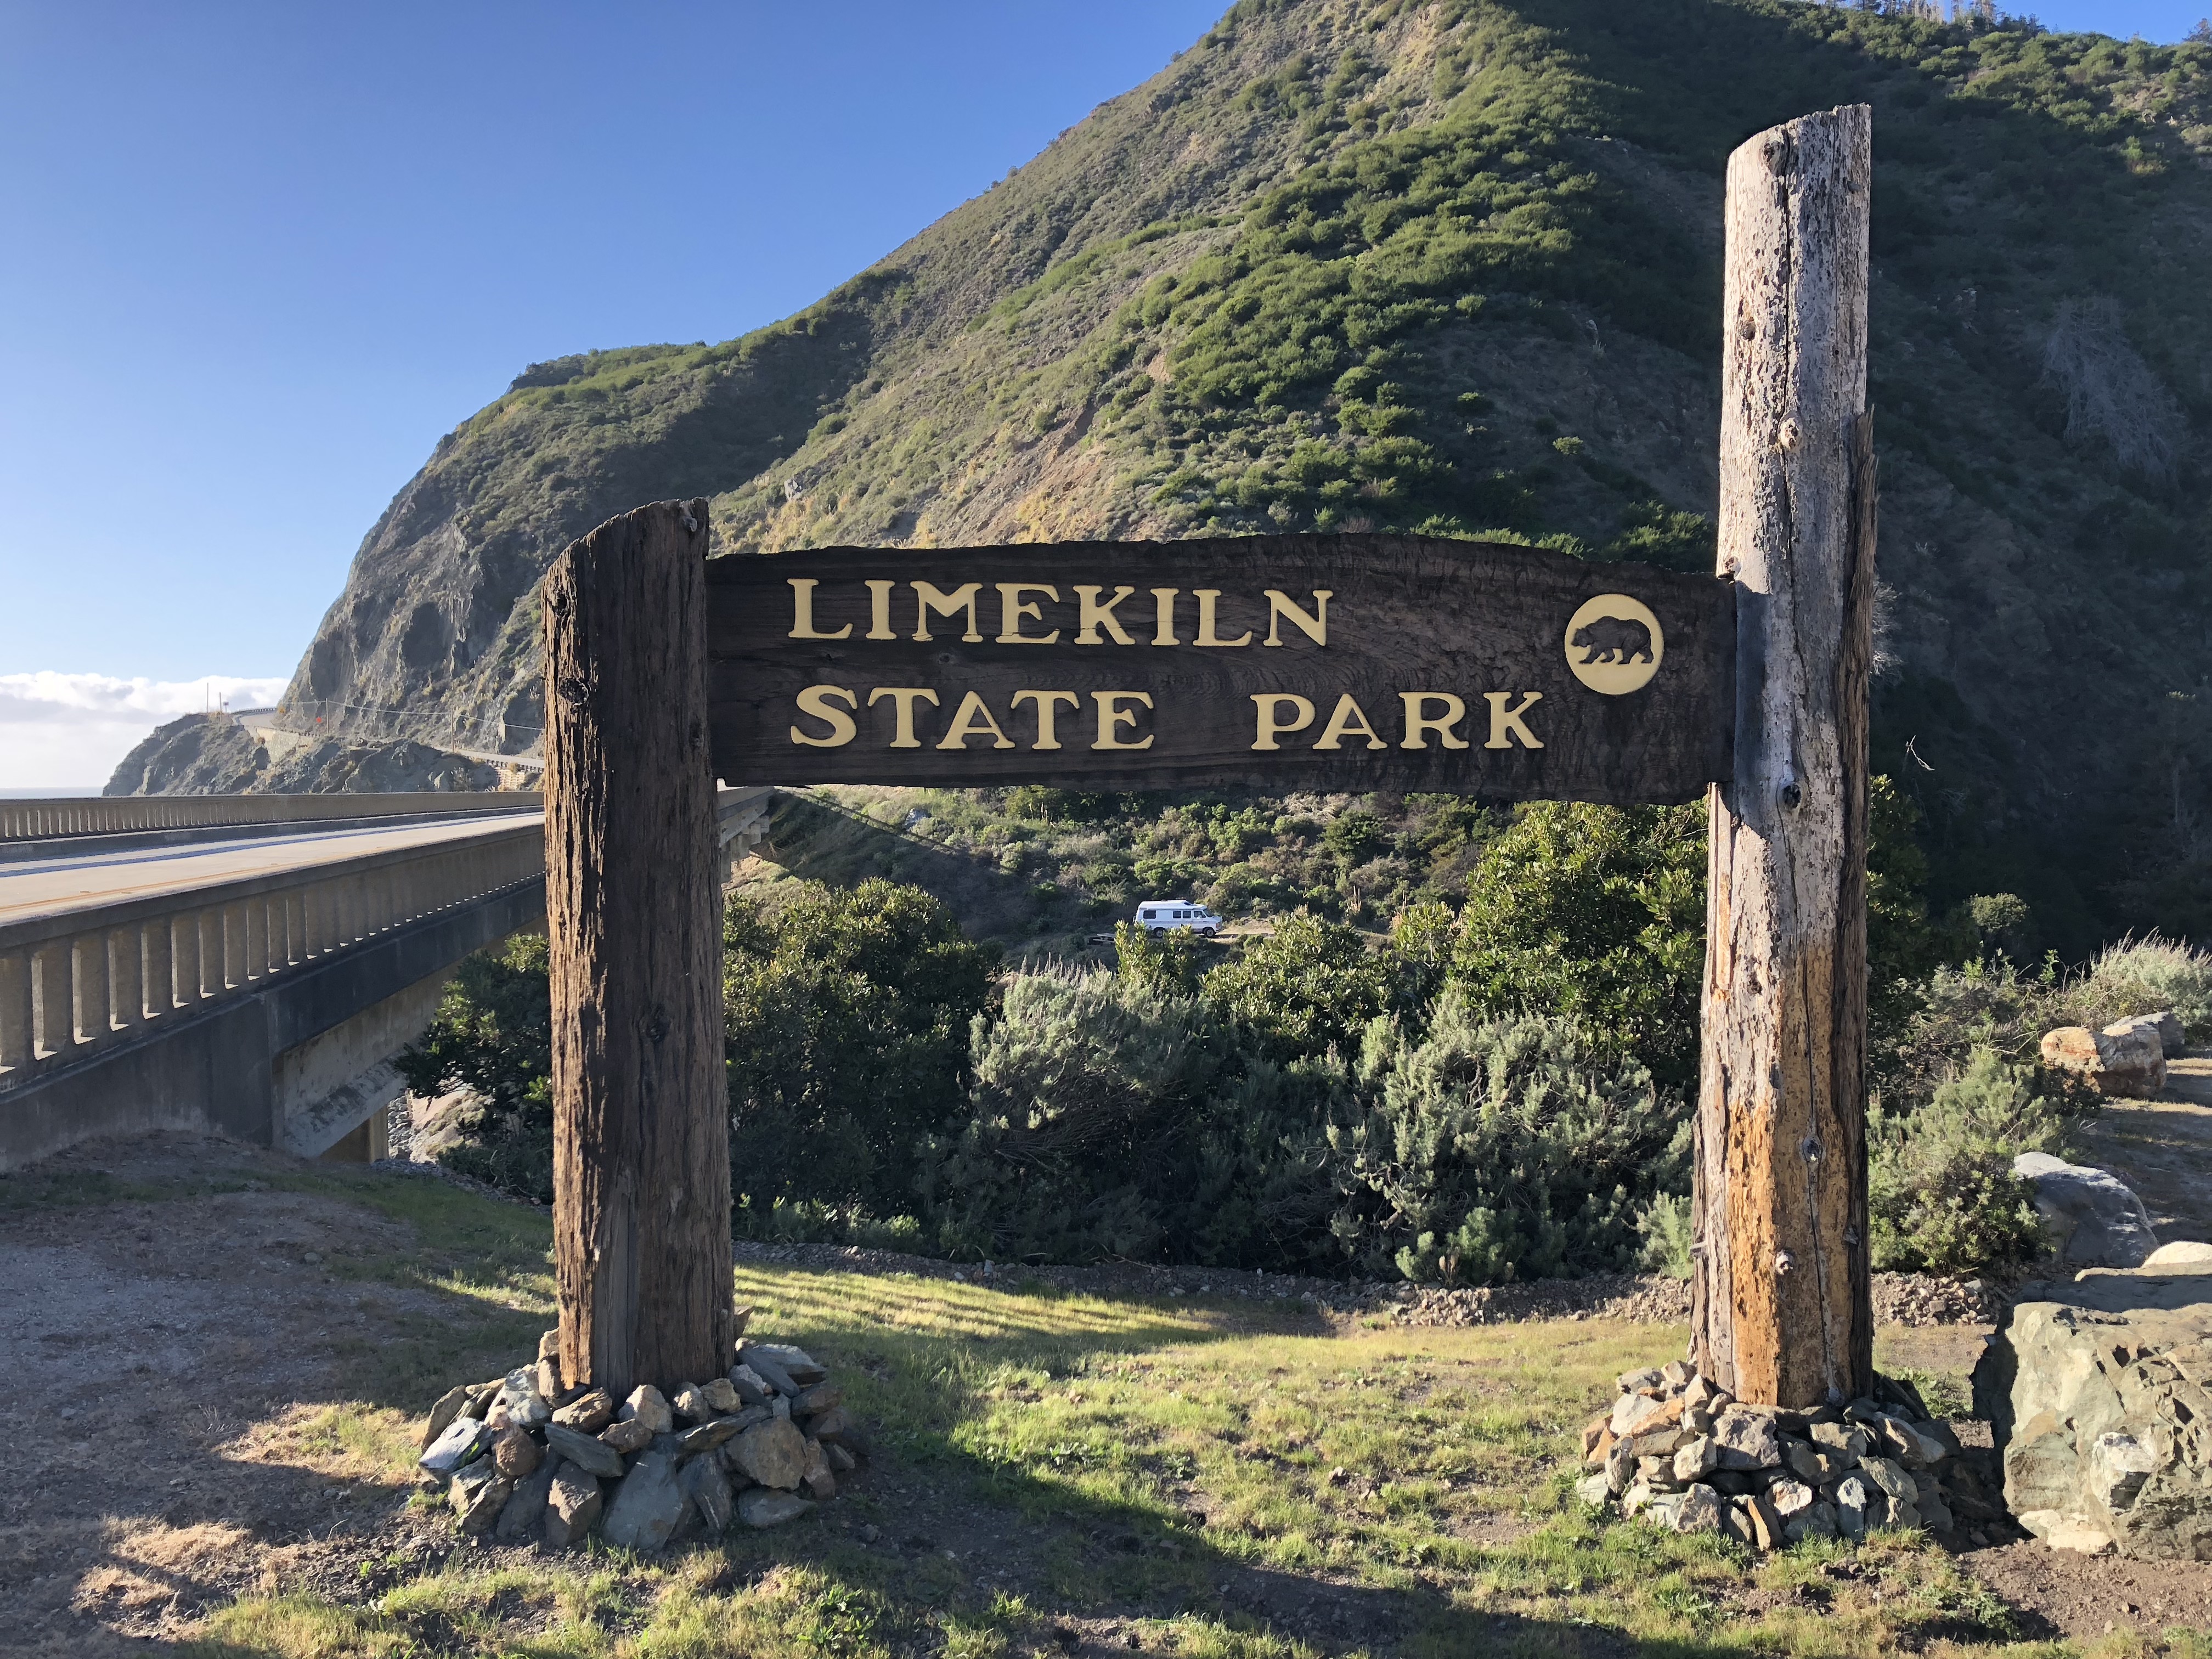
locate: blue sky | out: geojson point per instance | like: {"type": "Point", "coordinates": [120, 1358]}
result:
{"type": "Point", "coordinates": [262, 256]}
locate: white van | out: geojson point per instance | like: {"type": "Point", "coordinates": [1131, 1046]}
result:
{"type": "Point", "coordinates": [1158, 916]}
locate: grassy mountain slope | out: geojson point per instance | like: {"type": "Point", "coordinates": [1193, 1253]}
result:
{"type": "Point", "coordinates": [1455, 267]}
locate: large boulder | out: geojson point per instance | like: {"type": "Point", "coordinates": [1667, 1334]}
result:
{"type": "Point", "coordinates": [2164, 1025]}
{"type": "Point", "coordinates": [2097, 1394]}
{"type": "Point", "coordinates": [2093, 1217]}
{"type": "Point", "coordinates": [2126, 1060]}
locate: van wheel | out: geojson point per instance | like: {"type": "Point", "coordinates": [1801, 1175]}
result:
{"type": "Point", "coordinates": [1212, 932]}
{"type": "Point", "coordinates": [1157, 933]}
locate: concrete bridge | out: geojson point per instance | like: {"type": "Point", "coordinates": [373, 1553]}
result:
{"type": "Point", "coordinates": [249, 964]}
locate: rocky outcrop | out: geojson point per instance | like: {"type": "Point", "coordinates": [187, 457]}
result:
{"type": "Point", "coordinates": [2093, 1218]}
{"type": "Point", "coordinates": [199, 755]}
{"type": "Point", "coordinates": [211, 754]}
{"type": "Point", "coordinates": [2126, 1060]}
{"type": "Point", "coordinates": [2098, 1394]}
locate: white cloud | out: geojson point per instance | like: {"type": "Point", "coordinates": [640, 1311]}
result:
{"type": "Point", "coordinates": [68, 731]}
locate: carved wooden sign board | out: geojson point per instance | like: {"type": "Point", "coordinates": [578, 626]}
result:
{"type": "Point", "coordinates": [1278, 663]}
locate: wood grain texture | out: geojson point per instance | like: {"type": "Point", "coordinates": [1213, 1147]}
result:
{"type": "Point", "coordinates": [1407, 614]}
{"type": "Point", "coordinates": [641, 1137]}
{"type": "Point", "coordinates": [1781, 1312]}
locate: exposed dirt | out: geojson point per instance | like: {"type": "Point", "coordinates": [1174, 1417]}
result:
{"type": "Point", "coordinates": [2162, 1147]}
{"type": "Point", "coordinates": [2059, 1593]}
{"type": "Point", "coordinates": [143, 1340]}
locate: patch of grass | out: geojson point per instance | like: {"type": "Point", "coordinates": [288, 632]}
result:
{"type": "Point", "coordinates": [1204, 1477]}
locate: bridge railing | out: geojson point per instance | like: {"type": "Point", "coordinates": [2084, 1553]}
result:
{"type": "Point", "coordinates": [109, 815]}
{"type": "Point", "coordinates": [93, 978]}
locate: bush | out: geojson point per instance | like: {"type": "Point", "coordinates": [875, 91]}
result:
{"type": "Point", "coordinates": [1597, 913]}
{"type": "Point", "coordinates": [1668, 1228]}
{"type": "Point", "coordinates": [847, 1019]}
{"type": "Point", "coordinates": [493, 1033]}
{"type": "Point", "coordinates": [2147, 976]}
{"type": "Point", "coordinates": [1310, 987]}
{"type": "Point", "coordinates": [1503, 1148]}
{"type": "Point", "coordinates": [1113, 1119]}
{"type": "Point", "coordinates": [1941, 1194]}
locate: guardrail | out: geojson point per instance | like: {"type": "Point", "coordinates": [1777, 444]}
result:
{"type": "Point", "coordinates": [111, 815]}
{"type": "Point", "coordinates": [76, 984]}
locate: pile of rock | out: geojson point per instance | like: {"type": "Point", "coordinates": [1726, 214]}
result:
{"type": "Point", "coordinates": [521, 1457]}
{"type": "Point", "coordinates": [1677, 1449]}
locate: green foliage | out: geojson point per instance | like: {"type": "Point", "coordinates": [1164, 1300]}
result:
{"type": "Point", "coordinates": [1941, 1191]}
{"type": "Point", "coordinates": [1503, 1148]}
{"type": "Point", "coordinates": [1668, 1228]}
{"type": "Point", "coordinates": [1113, 1119]}
{"type": "Point", "coordinates": [1595, 913]}
{"type": "Point", "coordinates": [847, 1017]}
{"type": "Point", "coordinates": [1173, 964]}
{"type": "Point", "coordinates": [493, 1034]}
{"type": "Point", "coordinates": [2147, 976]}
{"type": "Point", "coordinates": [1309, 988]}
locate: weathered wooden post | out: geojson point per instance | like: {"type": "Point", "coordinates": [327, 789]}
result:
{"type": "Point", "coordinates": [1781, 1312]}
{"type": "Point", "coordinates": [641, 1119]}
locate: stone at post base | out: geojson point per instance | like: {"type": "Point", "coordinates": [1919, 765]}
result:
{"type": "Point", "coordinates": [477, 1494]}
{"type": "Point", "coordinates": [526, 1509]}
{"type": "Point", "coordinates": [648, 1506]}
{"type": "Point", "coordinates": [573, 1508]}
{"type": "Point", "coordinates": [762, 1506]}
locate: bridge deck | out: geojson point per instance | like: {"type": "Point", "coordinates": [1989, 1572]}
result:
{"type": "Point", "coordinates": [87, 880]}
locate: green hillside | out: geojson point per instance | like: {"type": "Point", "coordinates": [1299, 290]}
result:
{"type": "Point", "coordinates": [1454, 266]}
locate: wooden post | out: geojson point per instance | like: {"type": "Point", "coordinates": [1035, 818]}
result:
{"type": "Point", "coordinates": [1781, 1312]}
{"type": "Point", "coordinates": [641, 1118]}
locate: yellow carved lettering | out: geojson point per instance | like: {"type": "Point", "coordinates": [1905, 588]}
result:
{"type": "Point", "coordinates": [973, 719]}
{"type": "Point", "coordinates": [1420, 723]}
{"type": "Point", "coordinates": [802, 611]}
{"type": "Point", "coordinates": [879, 610]}
{"type": "Point", "coordinates": [1350, 721]}
{"type": "Point", "coordinates": [928, 600]}
{"type": "Point", "coordinates": [1271, 724]}
{"type": "Point", "coordinates": [821, 701]}
{"type": "Point", "coordinates": [1280, 609]}
{"type": "Point", "coordinates": [1046, 709]}
{"type": "Point", "coordinates": [1112, 714]}
{"type": "Point", "coordinates": [1093, 616]}
{"type": "Point", "coordinates": [903, 698]}
{"type": "Point", "coordinates": [1207, 598]}
{"type": "Point", "coordinates": [1504, 719]}
{"type": "Point", "coordinates": [1164, 600]}
{"type": "Point", "coordinates": [1013, 609]}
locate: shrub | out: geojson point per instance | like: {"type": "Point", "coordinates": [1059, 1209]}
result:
{"type": "Point", "coordinates": [1503, 1148]}
{"type": "Point", "coordinates": [847, 1019]}
{"type": "Point", "coordinates": [1666, 1227]}
{"type": "Point", "coordinates": [1310, 987]}
{"type": "Point", "coordinates": [2147, 976]}
{"type": "Point", "coordinates": [1941, 1194]}
{"type": "Point", "coordinates": [1171, 962]}
{"type": "Point", "coordinates": [1597, 913]}
{"type": "Point", "coordinates": [493, 1033]}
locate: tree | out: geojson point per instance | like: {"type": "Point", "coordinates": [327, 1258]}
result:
{"type": "Point", "coordinates": [1310, 987]}
{"type": "Point", "coordinates": [847, 1017]}
{"type": "Point", "coordinates": [1597, 913]}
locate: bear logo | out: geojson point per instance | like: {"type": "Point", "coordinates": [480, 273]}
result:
{"type": "Point", "coordinates": [1614, 644]}
{"type": "Point", "coordinates": [1613, 639]}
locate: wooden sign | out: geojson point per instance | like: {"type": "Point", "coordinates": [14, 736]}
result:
{"type": "Point", "coordinates": [1310, 662]}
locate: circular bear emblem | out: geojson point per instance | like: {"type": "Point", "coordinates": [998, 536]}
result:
{"type": "Point", "coordinates": [1615, 644]}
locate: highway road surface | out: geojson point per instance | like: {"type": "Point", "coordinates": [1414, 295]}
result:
{"type": "Point", "coordinates": [82, 874]}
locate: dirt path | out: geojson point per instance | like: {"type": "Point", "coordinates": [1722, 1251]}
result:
{"type": "Point", "coordinates": [2163, 1148]}
{"type": "Point", "coordinates": [165, 1349]}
